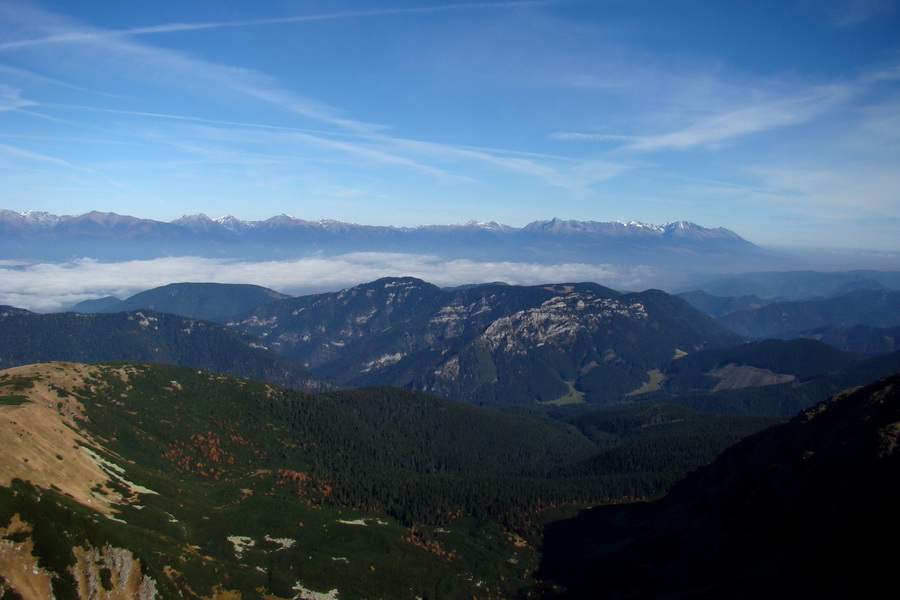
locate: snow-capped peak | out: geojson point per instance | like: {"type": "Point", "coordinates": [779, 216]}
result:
{"type": "Point", "coordinates": [232, 223]}
{"type": "Point", "coordinates": [33, 218]}
{"type": "Point", "coordinates": [641, 225]}
{"type": "Point", "coordinates": [188, 219]}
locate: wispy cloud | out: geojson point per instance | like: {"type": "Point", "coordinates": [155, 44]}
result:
{"type": "Point", "coordinates": [131, 59]}
{"type": "Point", "coordinates": [855, 191]}
{"type": "Point", "coordinates": [695, 105]}
{"type": "Point", "coordinates": [731, 124]}
{"type": "Point", "coordinates": [136, 60]}
{"type": "Point", "coordinates": [593, 137]}
{"type": "Point", "coordinates": [94, 34]}
{"type": "Point", "coordinates": [847, 13]}
{"type": "Point", "coordinates": [447, 162]}
{"type": "Point", "coordinates": [11, 99]}
{"type": "Point", "coordinates": [362, 143]}
{"type": "Point", "coordinates": [575, 175]}
{"type": "Point", "coordinates": [231, 141]}
{"type": "Point", "coordinates": [728, 121]}
{"type": "Point", "coordinates": [19, 153]}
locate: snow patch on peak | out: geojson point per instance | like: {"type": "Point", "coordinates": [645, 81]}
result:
{"type": "Point", "coordinates": [41, 218]}
{"type": "Point", "coordinates": [200, 218]}
{"type": "Point", "coordinates": [233, 223]}
{"type": "Point", "coordinates": [488, 225]}
{"type": "Point", "coordinates": [680, 225]}
{"type": "Point", "coordinates": [641, 225]}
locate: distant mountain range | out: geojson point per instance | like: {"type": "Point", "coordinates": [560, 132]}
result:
{"type": "Point", "coordinates": [112, 224]}
{"type": "Point", "coordinates": [774, 286]}
{"type": "Point", "coordinates": [109, 236]}
{"type": "Point", "coordinates": [873, 308]}
{"type": "Point", "coordinates": [859, 315]}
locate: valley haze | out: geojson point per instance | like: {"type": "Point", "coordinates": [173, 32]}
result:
{"type": "Point", "coordinates": [52, 262]}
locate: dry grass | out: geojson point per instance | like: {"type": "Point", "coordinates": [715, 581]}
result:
{"type": "Point", "coordinates": [44, 444]}
{"type": "Point", "coordinates": [19, 565]}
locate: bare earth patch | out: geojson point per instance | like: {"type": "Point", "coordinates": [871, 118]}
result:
{"type": "Point", "coordinates": [735, 377]}
{"type": "Point", "coordinates": [125, 579]}
{"type": "Point", "coordinates": [654, 383]}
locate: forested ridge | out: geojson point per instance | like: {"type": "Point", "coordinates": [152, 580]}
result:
{"type": "Point", "coordinates": [424, 459]}
{"type": "Point", "coordinates": [145, 335]}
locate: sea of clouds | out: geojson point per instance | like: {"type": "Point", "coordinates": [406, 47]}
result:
{"type": "Point", "coordinates": [57, 286]}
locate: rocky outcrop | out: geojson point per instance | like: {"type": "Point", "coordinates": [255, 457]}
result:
{"type": "Point", "coordinates": [106, 573]}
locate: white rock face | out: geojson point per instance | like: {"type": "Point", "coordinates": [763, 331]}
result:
{"type": "Point", "coordinates": [557, 320]}
{"type": "Point", "coordinates": [451, 319]}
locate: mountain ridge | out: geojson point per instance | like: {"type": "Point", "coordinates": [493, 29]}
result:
{"type": "Point", "coordinates": [146, 335]}
{"type": "Point", "coordinates": [495, 343]}
{"type": "Point", "coordinates": [44, 220]}
{"type": "Point", "coordinates": [486, 343]}
{"type": "Point", "coordinates": [110, 236]}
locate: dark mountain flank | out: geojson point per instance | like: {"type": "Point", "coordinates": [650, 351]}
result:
{"type": "Point", "coordinates": [800, 285]}
{"type": "Point", "coordinates": [27, 337]}
{"type": "Point", "coordinates": [859, 338]}
{"type": "Point", "coordinates": [796, 511]}
{"type": "Point", "coordinates": [874, 308]}
{"type": "Point", "coordinates": [208, 301]}
{"type": "Point", "coordinates": [767, 361]}
{"type": "Point", "coordinates": [561, 343]}
{"type": "Point", "coordinates": [719, 306]}
{"type": "Point", "coordinates": [96, 305]}
{"type": "Point", "coordinates": [862, 315]}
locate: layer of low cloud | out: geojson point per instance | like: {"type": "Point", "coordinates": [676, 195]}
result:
{"type": "Point", "coordinates": [51, 287]}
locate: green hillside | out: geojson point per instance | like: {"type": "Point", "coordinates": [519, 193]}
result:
{"type": "Point", "coordinates": [211, 486]}
{"type": "Point", "coordinates": [145, 335]}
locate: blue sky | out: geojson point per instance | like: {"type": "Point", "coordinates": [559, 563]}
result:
{"type": "Point", "coordinates": [779, 120]}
